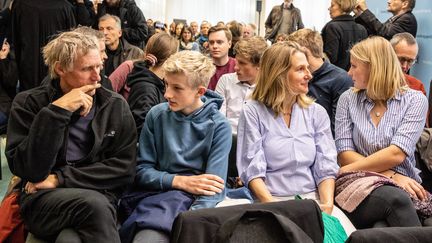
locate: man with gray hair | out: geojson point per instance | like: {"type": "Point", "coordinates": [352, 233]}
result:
{"type": "Point", "coordinates": [118, 48]}
{"type": "Point", "coordinates": [283, 19]}
{"type": "Point", "coordinates": [406, 49]}
{"type": "Point", "coordinates": [402, 20]}
{"type": "Point", "coordinates": [74, 158]}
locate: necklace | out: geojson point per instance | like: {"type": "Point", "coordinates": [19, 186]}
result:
{"type": "Point", "coordinates": [377, 114]}
{"type": "Point", "coordinates": [286, 114]}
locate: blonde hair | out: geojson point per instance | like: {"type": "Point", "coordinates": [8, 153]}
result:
{"type": "Point", "coordinates": [197, 67]}
{"type": "Point", "coordinates": [65, 48]}
{"type": "Point", "coordinates": [251, 48]}
{"type": "Point", "coordinates": [272, 88]}
{"type": "Point", "coordinates": [386, 77]}
{"type": "Point", "coordinates": [347, 6]}
{"type": "Point", "coordinates": [310, 39]}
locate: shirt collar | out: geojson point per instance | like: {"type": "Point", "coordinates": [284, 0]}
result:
{"type": "Point", "coordinates": [363, 96]}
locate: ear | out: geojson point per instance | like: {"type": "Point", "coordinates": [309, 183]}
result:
{"type": "Point", "coordinates": [59, 70]}
{"type": "Point", "coordinates": [201, 90]}
{"type": "Point", "coordinates": [405, 4]}
{"type": "Point", "coordinates": [230, 43]}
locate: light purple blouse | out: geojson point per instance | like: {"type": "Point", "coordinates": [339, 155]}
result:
{"type": "Point", "coordinates": [290, 160]}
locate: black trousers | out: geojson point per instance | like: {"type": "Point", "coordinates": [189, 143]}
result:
{"type": "Point", "coordinates": [47, 212]}
{"type": "Point", "coordinates": [386, 203]}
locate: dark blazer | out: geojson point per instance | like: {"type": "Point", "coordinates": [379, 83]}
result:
{"type": "Point", "coordinates": [339, 35]}
{"type": "Point", "coordinates": [405, 22]}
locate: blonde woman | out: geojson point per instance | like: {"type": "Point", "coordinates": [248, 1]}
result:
{"type": "Point", "coordinates": [378, 123]}
{"type": "Point", "coordinates": [285, 146]}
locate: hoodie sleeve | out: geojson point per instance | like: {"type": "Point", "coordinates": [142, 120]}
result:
{"type": "Point", "coordinates": [147, 174]}
{"type": "Point", "coordinates": [217, 163]}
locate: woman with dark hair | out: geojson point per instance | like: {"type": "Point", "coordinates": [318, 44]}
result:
{"type": "Point", "coordinates": [186, 41]}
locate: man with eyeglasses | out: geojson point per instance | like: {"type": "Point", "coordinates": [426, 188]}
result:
{"type": "Point", "coordinates": [402, 20]}
{"type": "Point", "coordinates": [406, 48]}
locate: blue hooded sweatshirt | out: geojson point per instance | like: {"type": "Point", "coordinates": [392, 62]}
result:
{"type": "Point", "coordinates": [172, 143]}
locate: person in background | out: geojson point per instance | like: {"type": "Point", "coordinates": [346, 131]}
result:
{"type": "Point", "coordinates": [403, 20]}
{"type": "Point", "coordinates": [283, 19]}
{"type": "Point", "coordinates": [202, 39]}
{"type": "Point", "coordinates": [378, 124]}
{"type": "Point", "coordinates": [406, 48]}
{"type": "Point", "coordinates": [219, 45]}
{"type": "Point", "coordinates": [146, 80]}
{"type": "Point", "coordinates": [236, 88]}
{"type": "Point", "coordinates": [133, 23]}
{"type": "Point", "coordinates": [118, 48]}
{"type": "Point", "coordinates": [195, 32]}
{"type": "Point", "coordinates": [236, 30]}
{"type": "Point", "coordinates": [8, 81]}
{"type": "Point", "coordinates": [178, 30]}
{"type": "Point", "coordinates": [328, 82]}
{"type": "Point", "coordinates": [341, 33]}
{"type": "Point", "coordinates": [186, 42]}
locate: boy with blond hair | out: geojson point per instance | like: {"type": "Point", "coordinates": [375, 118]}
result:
{"type": "Point", "coordinates": [183, 149]}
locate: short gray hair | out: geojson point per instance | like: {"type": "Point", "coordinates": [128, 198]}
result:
{"type": "Point", "coordinates": [405, 36]}
{"type": "Point", "coordinates": [109, 16]}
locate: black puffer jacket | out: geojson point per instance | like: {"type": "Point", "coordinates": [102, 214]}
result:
{"type": "Point", "coordinates": [146, 91]}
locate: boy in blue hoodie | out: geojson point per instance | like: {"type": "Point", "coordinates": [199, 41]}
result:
{"type": "Point", "coordinates": [183, 150]}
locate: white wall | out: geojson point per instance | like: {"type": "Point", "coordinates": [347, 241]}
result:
{"type": "Point", "coordinates": [314, 12]}
{"type": "Point", "coordinates": [198, 10]}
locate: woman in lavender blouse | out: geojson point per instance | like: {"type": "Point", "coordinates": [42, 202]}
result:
{"type": "Point", "coordinates": [378, 123]}
{"type": "Point", "coordinates": [284, 145]}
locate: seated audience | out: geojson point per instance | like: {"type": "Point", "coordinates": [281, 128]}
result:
{"type": "Point", "coordinates": [328, 81]}
{"type": "Point", "coordinates": [406, 48]}
{"type": "Point", "coordinates": [378, 123]}
{"type": "Point", "coordinates": [8, 82]}
{"type": "Point", "coordinates": [146, 81]}
{"type": "Point", "coordinates": [186, 42]}
{"type": "Point", "coordinates": [341, 33]}
{"type": "Point", "coordinates": [284, 142]}
{"type": "Point", "coordinates": [118, 48]}
{"type": "Point", "coordinates": [403, 20]}
{"type": "Point", "coordinates": [183, 152]}
{"type": "Point", "coordinates": [74, 157]}
{"type": "Point", "coordinates": [219, 45]}
{"type": "Point", "coordinates": [237, 87]}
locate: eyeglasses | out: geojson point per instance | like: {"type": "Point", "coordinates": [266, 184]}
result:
{"type": "Point", "coordinates": [409, 61]}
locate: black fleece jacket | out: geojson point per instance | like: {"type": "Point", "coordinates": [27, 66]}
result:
{"type": "Point", "coordinates": [146, 91]}
{"type": "Point", "coordinates": [37, 141]}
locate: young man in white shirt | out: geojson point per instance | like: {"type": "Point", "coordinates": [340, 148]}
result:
{"type": "Point", "coordinates": [237, 87]}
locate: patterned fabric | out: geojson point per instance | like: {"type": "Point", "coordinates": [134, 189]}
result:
{"type": "Point", "coordinates": [353, 187]}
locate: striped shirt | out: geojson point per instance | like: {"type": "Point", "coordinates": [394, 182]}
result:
{"type": "Point", "coordinates": [400, 125]}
